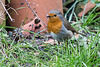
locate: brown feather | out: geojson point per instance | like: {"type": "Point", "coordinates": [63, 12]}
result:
{"type": "Point", "coordinates": [69, 27]}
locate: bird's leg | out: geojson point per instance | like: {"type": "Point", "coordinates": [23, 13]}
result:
{"type": "Point", "coordinates": [66, 46]}
{"type": "Point", "coordinates": [55, 42]}
{"type": "Point", "coordinates": [59, 43]}
{"type": "Point", "coordinates": [67, 42]}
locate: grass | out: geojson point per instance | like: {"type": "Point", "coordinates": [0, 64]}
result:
{"type": "Point", "coordinates": [24, 54]}
{"type": "Point", "coordinates": [81, 52]}
{"type": "Point", "coordinates": [85, 51]}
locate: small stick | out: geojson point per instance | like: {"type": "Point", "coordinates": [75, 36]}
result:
{"type": "Point", "coordinates": [7, 11]}
{"type": "Point", "coordinates": [12, 9]}
{"type": "Point", "coordinates": [35, 12]}
{"type": "Point", "coordinates": [3, 51]}
{"type": "Point", "coordinates": [95, 30]}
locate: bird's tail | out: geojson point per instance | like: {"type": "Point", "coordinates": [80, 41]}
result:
{"type": "Point", "coordinates": [80, 33]}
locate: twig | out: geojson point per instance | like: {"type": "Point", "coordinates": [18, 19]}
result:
{"type": "Point", "coordinates": [2, 18]}
{"type": "Point", "coordinates": [16, 35]}
{"type": "Point", "coordinates": [3, 51]}
{"type": "Point", "coordinates": [1, 14]}
{"type": "Point", "coordinates": [42, 30]}
{"type": "Point", "coordinates": [12, 9]}
{"type": "Point", "coordinates": [33, 3]}
{"type": "Point", "coordinates": [95, 30]}
{"type": "Point", "coordinates": [6, 11]}
{"type": "Point", "coordinates": [34, 12]}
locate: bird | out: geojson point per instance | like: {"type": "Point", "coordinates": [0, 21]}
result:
{"type": "Point", "coordinates": [58, 26]}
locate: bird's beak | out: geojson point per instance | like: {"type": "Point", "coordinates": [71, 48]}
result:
{"type": "Point", "coordinates": [48, 16]}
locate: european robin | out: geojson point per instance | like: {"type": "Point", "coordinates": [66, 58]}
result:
{"type": "Point", "coordinates": [59, 28]}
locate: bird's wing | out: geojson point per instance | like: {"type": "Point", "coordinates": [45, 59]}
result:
{"type": "Point", "coordinates": [68, 25]}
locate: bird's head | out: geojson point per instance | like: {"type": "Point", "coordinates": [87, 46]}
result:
{"type": "Point", "coordinates": [54, 15]}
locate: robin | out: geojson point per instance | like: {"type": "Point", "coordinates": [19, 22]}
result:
{"type": "Point", "coordinates": [59, 28]}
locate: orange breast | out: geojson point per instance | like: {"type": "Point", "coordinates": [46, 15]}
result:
{"type": "Point", "coordinates": [54, 27]}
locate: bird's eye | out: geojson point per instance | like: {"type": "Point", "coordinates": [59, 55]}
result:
{"type": "Point", "coordinates": [55, 15]}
